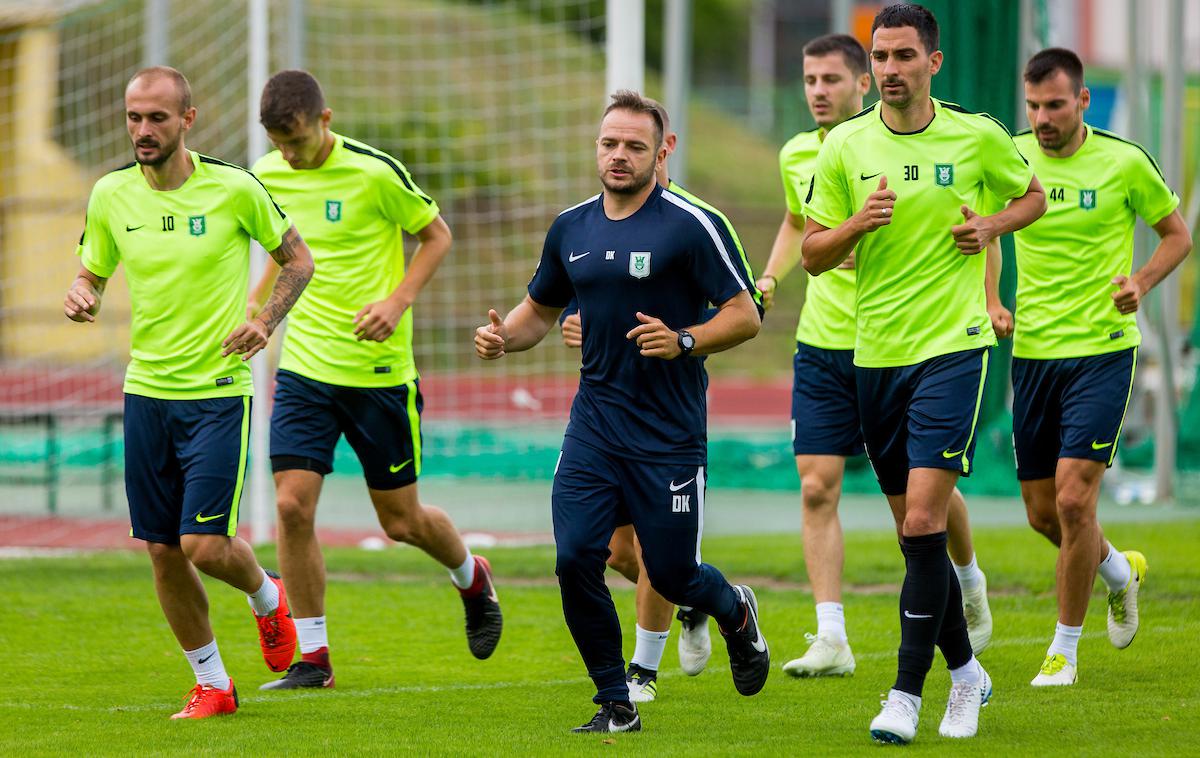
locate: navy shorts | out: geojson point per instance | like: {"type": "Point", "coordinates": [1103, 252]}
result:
{"type": "Point", "coordinates": [185, 462]}
{"type": "Point", "coordinates": [1069, 408]}
{"type": "Point", "coordinates": [921, 416]}
{"type": "Point", "coordinates": [382, 424]}
{"type": "Point", "coordinates": [595, 492]}
{"type": "Point", "coordinates": [824, 403]}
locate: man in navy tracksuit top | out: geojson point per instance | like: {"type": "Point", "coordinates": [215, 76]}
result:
{"type": "Point", "coordinates": [643, 263]}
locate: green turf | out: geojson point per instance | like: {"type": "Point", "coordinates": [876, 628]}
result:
{"type": "Point", "coordinates": [91, 668]}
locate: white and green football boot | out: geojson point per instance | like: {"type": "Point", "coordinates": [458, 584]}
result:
{"type": "Point", "coordinates": [1056, 672]}
{"type": "Point", "coordinates": [1122, 605]}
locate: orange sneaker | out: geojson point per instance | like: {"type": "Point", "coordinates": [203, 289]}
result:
{"type": "Point", "coordinates": [277, 631]}
{"type": "Point", "coordinates": [204, 701]}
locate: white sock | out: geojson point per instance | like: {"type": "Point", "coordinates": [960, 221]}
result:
{"type": "Point", "coordinates": [1115, 569]}
{"type": "Point", "coordinates": [206, 662]}
{"type": "Point", "coordinates": [266, 599]}
{"type": "Point", "coordinates": [311, 633]}
{"type": "Point", "coordinates": [1066, 641]}
{"type": "Point", "coordinates": [831, 621]}
{"type": "Point", "coordinates": [968, 672]}
{"type": "Point", "coordinates": [648, 651]}
{"type": "Point", "coordinates": [969, 576]}
{"type": "Point", "coordinates": [464, 576]}
{"type": "Point", "coordinates": [901, 694]}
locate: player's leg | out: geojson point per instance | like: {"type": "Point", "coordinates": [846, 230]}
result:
{"type": "Point", "coordinates": [653, 628]}
{"type": "Point", "coordinates": [666, 503]}
{"type": "Point", "coordinates": [304, 433]}
{"type": "Point", "coordinates": [383, 425]}
{"type": "Point", "coordinates": [1094, 398]}
{"type": "Point", "coordinates": [154, 484]}
{"type": "Point", "coordinates": [622, 553]}
{"type": "Point", "coordinates": [825, 431]}
{"type": "Point", "coordinates": [1037, 440]}
{"type": "Point", "coordinates": [971, 579]}
{"type": "Point", "coordinates": [820, 490]}
{"type": "Point", "coordinates": [1094, 414]}
{"type": "Point", "coordinates": [586, 506]}
{"type": "Point", "coordinates": [212, 439]}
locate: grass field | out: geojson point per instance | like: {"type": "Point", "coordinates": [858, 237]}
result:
{"type": "Point", "coordinates": [91, 668]}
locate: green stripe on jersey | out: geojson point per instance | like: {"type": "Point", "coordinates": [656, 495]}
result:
{"type": "Point", "coordinates": [414, 425]}
{"type": "Point", "coordinates": [827, 318]}
{"type": "Point", "coordinates": [352, 211]}
{"type": "Point", "coordinates": [186, 254]}
{"type": "Point", "coordinates": [1067, 258]}
{"type": "Point", "coordinates": [917, 296]}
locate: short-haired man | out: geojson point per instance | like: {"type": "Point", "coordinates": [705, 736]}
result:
{"type": "Point", "coordinates": [643, 263]}
{"type": "Point", "coordinates": [653, 610]}
{"type": "Point", "coordinates": [923, 328]}
{"type": "Point", "coordinates": [181, 223]}
{"type": "Point", "coordinates": [1077, 337]}
{"type": "Point", "coordinates": [347, 365]}
{"type": "Point", "coordinates": [825, 425]}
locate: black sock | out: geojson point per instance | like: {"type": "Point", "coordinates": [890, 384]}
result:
{"type": "Point", "coordinates": [953, 640]}
{"type": "Point", "coordinates": [923, 599]}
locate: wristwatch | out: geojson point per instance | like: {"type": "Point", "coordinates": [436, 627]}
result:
{"type": "Point", "coordinates": [687, 343]}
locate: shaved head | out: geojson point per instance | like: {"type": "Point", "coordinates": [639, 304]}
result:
{"type": "Point", "coordinates": [154, 74]}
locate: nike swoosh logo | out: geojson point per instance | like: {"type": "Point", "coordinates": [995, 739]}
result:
{"type": "Point", "coordinates": [205, 660]}
{"type": "Point", "coordinates": [129, 228]}
{"type": "Point", "coordinates": [394, 469]}
{"type": "Point", "coordinates": [1097, 446]}
{"type": "Point", "coordinates": [573, 257]}
{"type": "Point", "coordinates": [864, 177]}
{"type": "Point", "coordinates": [201, 518]}
{"type": "Point", "coordinates": [952, 453]}
{"type": "Point", "coordinates": [676, 487]}
{"type": "Point", "coordinates": [917, 615]}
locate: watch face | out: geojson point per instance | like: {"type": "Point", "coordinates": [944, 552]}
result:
{"type": "Point", "coordinates": [688, 341]}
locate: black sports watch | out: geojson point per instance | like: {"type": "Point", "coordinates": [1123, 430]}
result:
{"type": "Point", "coordinates": [686, 342]}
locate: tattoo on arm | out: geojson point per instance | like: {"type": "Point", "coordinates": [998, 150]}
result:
{"type": "Point", "coordinates": [294, 272]}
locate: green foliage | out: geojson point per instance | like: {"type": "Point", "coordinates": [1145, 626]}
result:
{"type": "Point", "coordinates": [93, 669]}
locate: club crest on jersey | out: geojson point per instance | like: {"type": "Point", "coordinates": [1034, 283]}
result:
{"type": "Point", "coordinates": [943, 174]}
{"type": "Point", "coordinates": [1087, 199]}
{"type": "Point", "coordinates": [333, 210]}
{"type": "Point", "coordinates": [639, 265]}
{"type": "Point", "coordinates": [196, 226]}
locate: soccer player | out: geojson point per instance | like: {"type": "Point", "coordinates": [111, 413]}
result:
{"type": "Point", "coordinates": [181, 223]}
{"type": "Point", "coordinates": [347, 365]}
{"type": "Point", "coordinates": [643, 263]}
{"type": "Point", "coordinates": [1076, 339]}
{"type": "Point", "coordinates": [825, 425]}
{"type": "Point", "coordinates": [922, 326]}
{"type": "Point", "coordinates": [653, 610]}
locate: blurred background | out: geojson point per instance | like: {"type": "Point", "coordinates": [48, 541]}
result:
{"type": "Point", "coordinates": [493, 105]}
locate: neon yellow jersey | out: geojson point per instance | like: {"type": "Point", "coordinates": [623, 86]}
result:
{"type": "Point", "coordinates": [351, 211]}
{"type": "Point", "coordinates": [827, 318]}
{"type": "Point", "coordinates": [733, 235]}
{"type": "Point", "coordinates": [918, 297]}
{"type": "Point", "coordinates": [187, 261]}
{"type": "Point", "coordinates": [1066, 259]}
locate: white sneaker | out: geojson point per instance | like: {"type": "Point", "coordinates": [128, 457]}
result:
{"type": "Point", "coordinates": [979, 616]}
{"type": "Point", "coordinates": [962, 709]}
{"type": "Point", "coordinates": [825, 657]}
{"type": "Point", "coordinates": [695, 646]}
{"type": "Point", "coordinates": [896, 724]}
{"type": "Point", "coordinates": [642, 684]}
{"type": "Point", "coordinates": [1056, 672]}
{"type": "Point", "coordinates": [1122, 606]}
